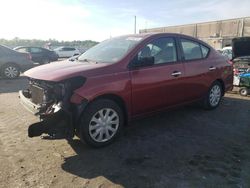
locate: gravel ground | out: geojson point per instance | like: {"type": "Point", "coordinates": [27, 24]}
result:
{"type": "Point", "coordinates": [185, 147]}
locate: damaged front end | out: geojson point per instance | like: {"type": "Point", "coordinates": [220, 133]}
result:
{"type": "Point", "coordinates": [51, 102]}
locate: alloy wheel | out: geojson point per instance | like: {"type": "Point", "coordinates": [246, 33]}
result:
{"type": "Point", "coordinates": [215, 95]}
{"type": "Point", "coordinates": [11, 72]}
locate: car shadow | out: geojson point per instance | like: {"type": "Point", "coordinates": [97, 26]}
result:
{"type": "Point", "coordinates": [14, 85]}
{"type": "Point", "coordinates": [171, 149]}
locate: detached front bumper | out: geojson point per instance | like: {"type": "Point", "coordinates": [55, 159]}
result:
{"type": "Point", "coordinates": [28, 104]}
{"type": "Point", "coordinates": [55, 123]}
{"type": "Point", "coordinates": [58, 119]}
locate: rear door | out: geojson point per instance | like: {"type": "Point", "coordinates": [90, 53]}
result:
{"type": "Point", "coordinates": [200, 70]}
{"type": "Point", "coordinates": [159, 85]}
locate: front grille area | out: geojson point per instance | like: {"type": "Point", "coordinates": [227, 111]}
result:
{"type": "Point", "coordinates": [37, 94]}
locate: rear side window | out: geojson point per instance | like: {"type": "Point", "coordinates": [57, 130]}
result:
{"type": "Point", "coordinates": [35, 50]}
{"type": "Point", "coordinates": [204, 51]}
{"type": "Point", "coordinates": [191, 49]}
{"type": "Point", "coordinates": [68, 49]}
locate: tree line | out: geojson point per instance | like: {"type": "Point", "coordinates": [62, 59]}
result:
{"type": "Point", "coordinates": [86, 44]}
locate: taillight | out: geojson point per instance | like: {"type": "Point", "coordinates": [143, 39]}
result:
{"type": "Point", "coordinates": [229, 62]}
{"type": "Point", "coordinates": [236, 71]}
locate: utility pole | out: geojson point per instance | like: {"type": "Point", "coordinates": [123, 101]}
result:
{"type": "Point", "coordinates": [135, 26]}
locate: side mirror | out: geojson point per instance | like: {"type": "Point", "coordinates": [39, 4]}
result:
{"type": "Point", "coordinates": [143, 62]}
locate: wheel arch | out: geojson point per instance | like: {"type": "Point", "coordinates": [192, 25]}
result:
{"type": "Point", "coordinates": [10, 63]}
{"type": "Point", "coordinates": [222, 85]}
{"type": "Point", "coordinates": [118, 100]}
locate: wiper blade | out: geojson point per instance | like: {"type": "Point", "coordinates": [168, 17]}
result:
{"type": "Point", "coordinates": [87, 60]}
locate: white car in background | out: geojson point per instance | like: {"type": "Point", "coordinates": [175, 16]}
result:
{"type": "Point", "coordinates": [227, 52]}
{"type": "Point", "coordinates": [66, 51]}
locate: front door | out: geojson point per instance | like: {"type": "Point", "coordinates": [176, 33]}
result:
{"type": "Point", "coordinates": [158, 85]}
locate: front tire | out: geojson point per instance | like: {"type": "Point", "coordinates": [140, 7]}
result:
{"type": "Point", "coordinates": [10, 71]}
{"type": "Point", "coordinates": [101, 123]}
{"type": "Point", "coordinates": [213, 97]}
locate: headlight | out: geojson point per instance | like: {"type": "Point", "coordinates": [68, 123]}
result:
{"type": "Point", "coordinates": [59, 91]}
{"type": "Point", "coordinates": [66, 87]}
{"type": "Point", "coordinates": [75, 82]}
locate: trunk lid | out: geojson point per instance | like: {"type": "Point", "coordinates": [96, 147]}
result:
{"type": "Point", "coordinates": [241, 47]}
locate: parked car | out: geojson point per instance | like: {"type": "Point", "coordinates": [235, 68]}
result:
{"type": "Point", "coordinates": [38, 54]}
{"type": "Point", "coordinates": [13, 62]}
{"type": "Point", "coordinates": [67, 51]}
{"type": "Point", "coordinates": [123, 78]}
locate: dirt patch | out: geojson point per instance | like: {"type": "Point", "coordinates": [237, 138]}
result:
{"type": "Point", "coordinates": [186, 147]}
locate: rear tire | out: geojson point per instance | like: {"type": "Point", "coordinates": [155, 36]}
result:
{"type": "Point", "coordinates": [243, 91]}
{"type": "Point", "coordinates": [10, 71]}
{"type": "Point", "coordinates": [213, 98]}
{"type": "Point", "coordinates": [101, 123]}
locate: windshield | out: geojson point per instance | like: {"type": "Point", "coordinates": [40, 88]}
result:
{"type": "Point", "coordinates": [111, 50]}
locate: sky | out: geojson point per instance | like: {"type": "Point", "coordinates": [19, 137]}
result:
{"type": "Point", "coordinates": [101, 19]}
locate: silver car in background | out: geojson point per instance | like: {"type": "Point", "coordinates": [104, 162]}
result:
{"type": "Point", "coordinates": [12, 63]}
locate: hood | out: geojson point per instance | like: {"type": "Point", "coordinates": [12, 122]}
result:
{"type": "Point", "coordinates": [61, 70]}
{"type": "Point", "coordinates": [241, 47]}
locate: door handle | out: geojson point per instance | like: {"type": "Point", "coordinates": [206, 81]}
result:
{"type": "Point", "coordinates": [212, 68]}
{"type": "Point", "coordinates": [176, 73]}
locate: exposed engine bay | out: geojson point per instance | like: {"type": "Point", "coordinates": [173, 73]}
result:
{"type": "Point", "coordinates": [51, 102]}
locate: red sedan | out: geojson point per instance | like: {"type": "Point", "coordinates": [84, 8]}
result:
{"type": "Point", "coordinates": [123, 78]}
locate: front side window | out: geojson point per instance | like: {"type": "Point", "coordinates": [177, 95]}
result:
{"type": "Point", "coordinates": [163, 50]}
{"type": "Point", "coordinates": [191, 50]}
